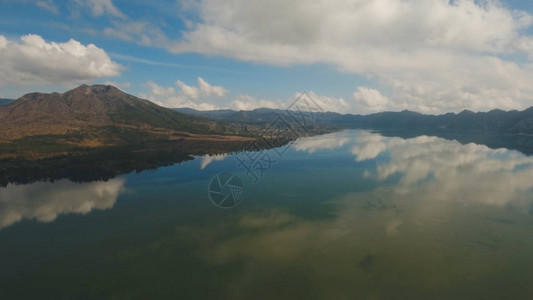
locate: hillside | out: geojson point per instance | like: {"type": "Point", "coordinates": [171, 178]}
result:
{"type": "Point", "coordinates": [264, 120]}
{"type": "Point", "coordinates": [96, 116]}
{"type": "Point", "coordinates": [91, 107]}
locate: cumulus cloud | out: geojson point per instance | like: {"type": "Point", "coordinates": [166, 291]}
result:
{"type": "Point", "coordinates": [203, 90]}
{"type": "Point", "coordinates": [32, 60]}
{"type": "Point", "coordinates": [187, 96]}
{"type": "Point", "coordinates": [370, 99]}
{"type": "Point", "coordinates": [3, 42]}
{"type": "Point", "coordinates": [205, 96]}
{"type": "Point", "coordinates": [160, 91]}
{"type": "Point", "coordinates": [246, 102]}
{"type": "Point", "coordinates": [311, 101]}
{"type": "Point", "coordinates": [434, 56]}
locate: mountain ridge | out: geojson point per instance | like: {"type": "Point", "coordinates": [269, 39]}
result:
{"type": "Point", "coordinates": [86, 118]}
{"type": "Point", "coordinates": [89, 107]}
{"type": "Point", "coordinates": [495, 121]}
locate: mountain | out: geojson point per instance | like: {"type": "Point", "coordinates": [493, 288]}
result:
{"type": "Point", "coordinates": [97, 116]}
{"type": "Point", "coordinates": [495, 129]}
{"type": "Point", "coordinates": [495, 121]}
{"type": "Point", "coordinates": [90, 108]}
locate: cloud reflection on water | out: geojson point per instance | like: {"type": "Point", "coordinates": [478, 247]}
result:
{"type": "Point", "coordinates": [208, 159]}
{"type": "Point", "coordinates": [44, 201]}
{"type": "Point", "coordinates": [439, 215]}
{"type": "Point", "coordinates": [446, 169]}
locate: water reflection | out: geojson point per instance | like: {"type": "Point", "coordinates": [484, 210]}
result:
{"type": "Point", "coordinates": [349, 215]}
{"type": "Point", "coordinates": [444, 220]}
{"type": "Point", "coordinates": [449, 171]}
{"type": "Point", "coordinates": [368, 146]}
{"type": "Point", "coordinates": [45, 201]}
{"type": "Point", "coordinates": [445, 169]}
{"type": "Point", "coordinates": [208, 159]}
{"type": "Point", "coordinates": [324, 142]}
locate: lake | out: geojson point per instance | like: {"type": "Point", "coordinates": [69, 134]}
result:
{"type": "Point", "coordinates": [346, 215]}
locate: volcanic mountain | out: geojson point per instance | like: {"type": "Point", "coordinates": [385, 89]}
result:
{"type": "Point", "coordinates": [97, 115]}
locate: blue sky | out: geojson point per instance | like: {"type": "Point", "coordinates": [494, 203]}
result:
{"type": "Point", "coordinates": [357, 56]}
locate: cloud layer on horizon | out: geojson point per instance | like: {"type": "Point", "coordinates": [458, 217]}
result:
{"type": "Point", "coordinates": [433, 56]}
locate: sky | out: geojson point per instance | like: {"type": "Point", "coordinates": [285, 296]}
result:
{"type": "Point", "coordinates": [350, 56]}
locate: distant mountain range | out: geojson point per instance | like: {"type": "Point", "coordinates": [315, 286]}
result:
{"type": "Point", "coordinates": [495, 121]}
{"type": "Point", "coordinates": [98, 116]}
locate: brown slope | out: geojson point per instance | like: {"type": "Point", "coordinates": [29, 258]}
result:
{"type": "Point", "coordinates": [87, 108]}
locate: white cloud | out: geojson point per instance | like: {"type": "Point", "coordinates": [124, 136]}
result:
{"type": "Point", "coordinates": [210, 90]}
{"type": "Point", "coordinates": [160, 91]}
{"type": "Point", "coordinates": [208, 97]}
{"type": "Point", "coordinates": [319, 103]}
{"type": "Point", "coordinates": [187, 96]}
{"type": "Point", "coordinates": [434, 56]}
{"type": "Point", "coordinates": [3, 42]}
{"type": "Point", "coordinates": [101, 7]}
{"type": "Point", "coordinates": [48, 5]}
{"type": "Point", "coordinates": [309, 101]}
{"type": "Point", "coordinates": [35, 61]}
{"type": "Point", "coordinates": [370, 99]}
{"type": "Point", "coordinates": [203, 90]}
{"type": "Point", "coordinates": [140, 32]}
{"type": "Point", "coordinates": [246, 102]}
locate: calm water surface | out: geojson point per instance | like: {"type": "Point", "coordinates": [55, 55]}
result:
{"type": "Point", "coordinates": [349, 215]}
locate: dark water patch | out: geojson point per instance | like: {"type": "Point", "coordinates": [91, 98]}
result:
{"type": "Point", "coordinates": [368, 264]}
{"type": "Point", "coordinates": [503, 221]}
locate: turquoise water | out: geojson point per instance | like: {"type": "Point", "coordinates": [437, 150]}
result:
{"type": "Point", "coordinates": [348, 215]}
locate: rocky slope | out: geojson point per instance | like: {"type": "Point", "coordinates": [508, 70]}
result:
{"type": "Point", "coordinates": [94, 112]}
